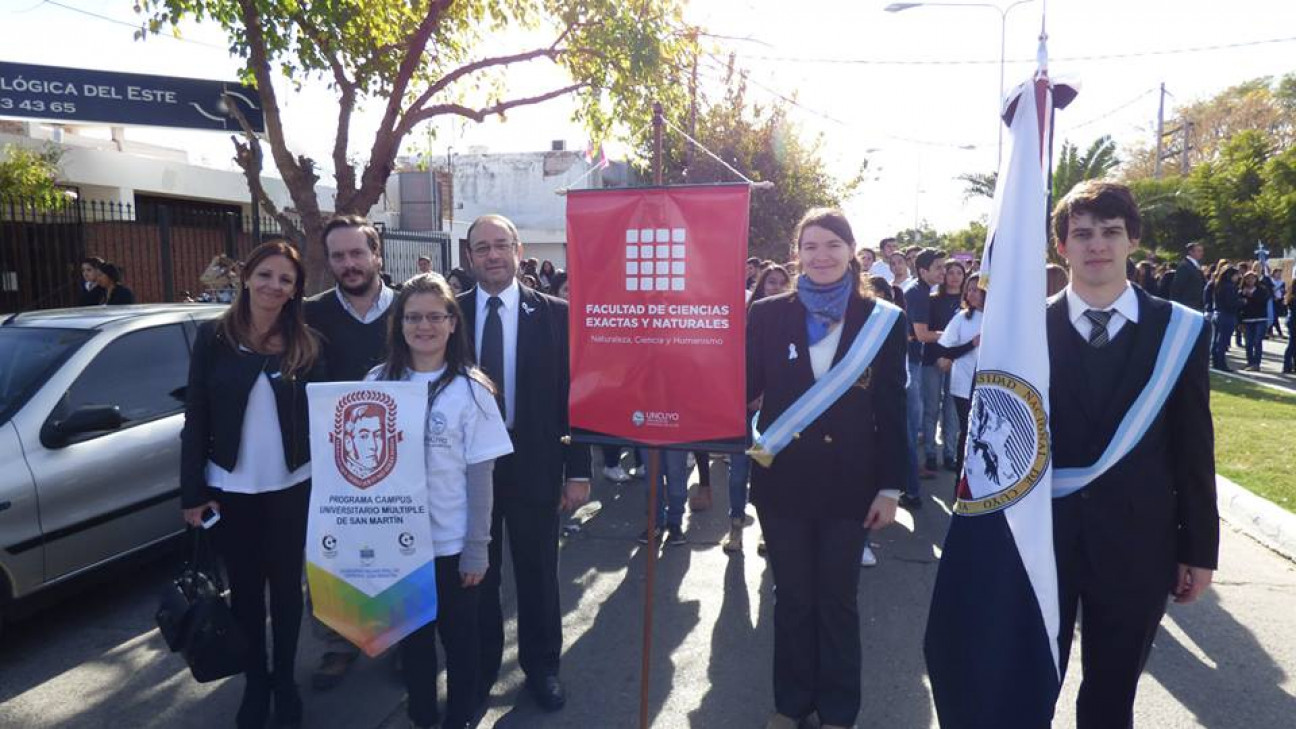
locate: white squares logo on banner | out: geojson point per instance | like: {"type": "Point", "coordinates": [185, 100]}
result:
{"type": "Point", "coordinates": [655, 259]}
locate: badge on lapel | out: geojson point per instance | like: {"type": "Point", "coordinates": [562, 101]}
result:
{"type": "Point", "coordinates": [792, 352]}
{"type": "Point", "coordinates": [529, 309]}
{"type": "Point", "coordinates": [865, 379]}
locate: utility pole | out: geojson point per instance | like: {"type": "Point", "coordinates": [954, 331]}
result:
{"type": "Point", "coordinates": [1160, 134]}
{"type": "Point", "coordinates": [1186, 129]}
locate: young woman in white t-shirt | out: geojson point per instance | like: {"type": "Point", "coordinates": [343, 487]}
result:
{"type": "Point", "coordinates": [463, 437]}
{"type": "Point", "coordinates": [961, 339]}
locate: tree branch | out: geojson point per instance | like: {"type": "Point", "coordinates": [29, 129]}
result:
{"type": "Point", "coordinates": [499, 108]}
{"type": "Point", "coordinates": [248, 156]}
{"type": "Point", "coordinates": [343, 172]}
{"type": "Point", "coordinates": [551, 52]}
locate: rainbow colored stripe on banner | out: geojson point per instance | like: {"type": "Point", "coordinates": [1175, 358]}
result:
{"type": "Point", "coordinates": [379, 622]}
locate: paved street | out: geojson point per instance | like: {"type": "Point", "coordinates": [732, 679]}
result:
{"type": "Point", "coordinates": [1270, 364]}
{"type": "Point", "coordinates": [1230, 661]}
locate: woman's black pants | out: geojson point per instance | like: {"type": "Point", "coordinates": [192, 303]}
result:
{"type": "Point", "coordinates": [816, 569]}
{"type": "Point", "coordinates": [261, 539]}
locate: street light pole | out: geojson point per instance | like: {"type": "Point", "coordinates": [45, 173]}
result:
{"type": "Point", "coordinates": [1003, 40]}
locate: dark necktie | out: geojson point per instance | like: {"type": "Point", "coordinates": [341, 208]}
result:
{"type": "Point", "coordinates": [1098, 335]}
{"type": "Point", "coordinates": [492, 350]}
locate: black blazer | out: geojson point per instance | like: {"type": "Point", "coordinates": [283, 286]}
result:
{"type": "Point", "coordinates": [543, 382]}
{"type": "Point", "coordinates": [1156, 507]}
{"type": "Point", "coordinates": [1188, 284]}
{"type": "Point", "coordinates": [220, 380]}
{"type": "Point", "coordinates": [836, 466]}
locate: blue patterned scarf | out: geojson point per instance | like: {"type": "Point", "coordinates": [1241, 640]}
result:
{"type": "Point", "coordinates": [825, 304]}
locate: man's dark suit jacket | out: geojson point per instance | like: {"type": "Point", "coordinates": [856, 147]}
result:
{"type": "Point", "coordinates": [543, 381]}
{"type": "Point", "coordinates": [1156, 507]}
{"type": "Point", "coordinates": [839, 462]}
{"type": "Point", "coordinates": [1188, 286]}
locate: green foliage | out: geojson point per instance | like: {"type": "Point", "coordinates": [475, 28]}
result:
{"type": "Point", "coordinates": [763, 144]}
{"type": "Point", "coordinates": [1228, 190]}
{"type": "Point", "coordinates": [924, 235]}
{"type": "Point", "coordinates": [979, 184]}
{"type": "Point", "coordinates": [31, 175]}
{"type": "Point", "coordinates": [1169, 212]}
{"type": "Point", "coordinates": [1071, 168]}
{"type": "Point", "coordinates": [972, 238]}
{"type": "Point", "coordinates": [422, 59]}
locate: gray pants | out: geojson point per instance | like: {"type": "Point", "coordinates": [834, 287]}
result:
{"type": "Point", "coordinates": [938, 405]}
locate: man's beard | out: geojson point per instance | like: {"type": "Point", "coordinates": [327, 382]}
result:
{"type": "Point", "coordinates": [362, 288]}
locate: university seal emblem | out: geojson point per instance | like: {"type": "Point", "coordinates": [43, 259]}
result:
{"type": "Point", "coordinates": [1007, 444]}
{"type": "Point", "coordinates": [365, 437]}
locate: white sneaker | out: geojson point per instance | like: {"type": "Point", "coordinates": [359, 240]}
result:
{"type": "Point", "coordinates": [868, 559]}
{"type": "Point", "coordinates": [616, 474]}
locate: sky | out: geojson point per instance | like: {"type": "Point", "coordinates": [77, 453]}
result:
{"type": "Point", "coordinates": [914, 93]}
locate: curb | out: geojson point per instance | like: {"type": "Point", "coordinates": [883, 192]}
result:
{"type": "Point", "coordinates": [1257, 517]}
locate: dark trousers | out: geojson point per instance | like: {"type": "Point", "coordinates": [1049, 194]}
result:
{"type": "Point", "coordinates": [817, 659]}
{"type": "Point", "coordinates": [1289, 354]}
{"type": "Point", "coordinates": [1224, 326]}
{"type": "Point", "coordinates": [1254, 331]}
{"type": "Point", "coordinates": [1117, 625]}
{"type": "Point", "coordinates": [456, 622]}
{"type": "Point", "coordinates": [962, 406]}
{"type": "Point", "coordinates": [533, 547]}
{"type": "Point", "coordinates": [262, 540]}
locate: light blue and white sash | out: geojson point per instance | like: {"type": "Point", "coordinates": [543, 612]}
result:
{"type": "Point", "coordinates": [827, 389]}
{"type": "Point", "coordinates": [1180, 336]}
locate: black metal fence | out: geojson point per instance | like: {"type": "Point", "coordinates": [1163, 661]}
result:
{"type": "Point", "coordinates": [161, 247]}
{"type": "Point", "coordinates": [161, 252]}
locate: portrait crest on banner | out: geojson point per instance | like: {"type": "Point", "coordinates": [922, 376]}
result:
{"type": "Point", "coordinates": [365, 437]}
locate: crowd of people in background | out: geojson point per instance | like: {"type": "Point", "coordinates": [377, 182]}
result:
{"type": "Point", "coordinates": [101, 284]}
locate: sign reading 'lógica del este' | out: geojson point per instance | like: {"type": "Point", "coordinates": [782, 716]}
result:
{"type": "Point", "coordinates": [81, 95]}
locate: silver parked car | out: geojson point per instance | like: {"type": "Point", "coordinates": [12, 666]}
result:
{"type": "Point", "coordinates": [91, 406]}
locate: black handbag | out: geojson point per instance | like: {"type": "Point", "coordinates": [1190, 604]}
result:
{"type": "Point", "coordinates": [195, 620]}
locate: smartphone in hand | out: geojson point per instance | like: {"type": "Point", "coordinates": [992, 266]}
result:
{"type": "Point", "coordinates": [209, 518]}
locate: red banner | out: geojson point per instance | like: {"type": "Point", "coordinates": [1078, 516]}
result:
{"type": "Point", "coordinates": [658, 315]}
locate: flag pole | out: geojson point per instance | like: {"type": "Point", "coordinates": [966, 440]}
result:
{"type": "Point", "coordinates": [654, 475]}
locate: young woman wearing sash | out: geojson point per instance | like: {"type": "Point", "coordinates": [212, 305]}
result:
{"type": "Point", "coordinates": [827, 361]}
{"type": "Point", "coordinates": [244, 454]}
{"type": "Point", "coordinates": [465, 434]}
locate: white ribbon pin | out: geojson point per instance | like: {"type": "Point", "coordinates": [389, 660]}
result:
{"type": "Point", "coordinates": [792, 353]}
{"type": "Point", "coordinates": [528, 308]}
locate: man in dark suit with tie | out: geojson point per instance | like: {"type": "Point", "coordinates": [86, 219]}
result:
{"type": "Point", "coordinates": [1147, 527]}
{"type": "Point", "coordinates": [520, 337]}
{"type": "Point", "coordinates": [1189, 284]}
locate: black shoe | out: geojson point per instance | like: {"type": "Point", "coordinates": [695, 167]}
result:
{"type": "Point", "coordinates": [548, 692]}
{"type": "Point", "coordinates": [643, 536]}
{"type": "Point", "coordinates": [255, 707]}
{"type": "Point", "coordinates": [930, 465]}
{"type": "Point", "coordinates": [910, 502]}
{"type": "Point", "coordinates": [675, 535]}
{"type": "Point", "coordinates": [287, 704]}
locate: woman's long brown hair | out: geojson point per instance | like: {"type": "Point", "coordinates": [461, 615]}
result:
{"type": "Point", "coordinates": [300, 344]}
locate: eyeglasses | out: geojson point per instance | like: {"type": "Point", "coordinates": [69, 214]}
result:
{"type": "Point", "coordinates": [435, 318]}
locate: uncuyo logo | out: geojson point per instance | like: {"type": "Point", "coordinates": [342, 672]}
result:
{"type": "Point", "coordinates": [655, 419]}
{"type": "Point", "coordinates": [638, 418]}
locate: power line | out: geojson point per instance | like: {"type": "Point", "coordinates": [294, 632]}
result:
{"type": "Point", "coordinates": [1109, 112]}
{"type": "Point", "coordinates": [135, 26]}
{"type": "Point", "coordinates": [995, 61]}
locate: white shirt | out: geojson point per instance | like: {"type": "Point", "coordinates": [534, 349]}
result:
{"type": "Point", "coordinates": [959, 331]}
{"type": "Point", "coordinates": [1124, 309]}
{"type": "Point", "coordinates": [823, 351]}
{"type": "Point", "coordinates": [508, 313]}
{"type": "Point", "coordinates": [385, 298]}
{"type": "Point", "coordinates": [260, 468]}
{"type": "Point", "coordinates": [883, 269]}
{"type": "Point", "coordinates": [463, 428]}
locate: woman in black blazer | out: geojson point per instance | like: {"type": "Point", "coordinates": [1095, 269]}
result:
{"type": "Point", "coordinates": [245, 455]}
{"type": "Point", "coordinates": [835, 479]}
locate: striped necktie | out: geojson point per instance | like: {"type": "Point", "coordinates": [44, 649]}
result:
{"type": "Point", "coordinates": [1098, 335]}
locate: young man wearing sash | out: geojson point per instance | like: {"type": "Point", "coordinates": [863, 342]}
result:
{"type": "Point", "coordinates": [1134, 509]}
{"type": "Point", "coordinates": [827, 362]}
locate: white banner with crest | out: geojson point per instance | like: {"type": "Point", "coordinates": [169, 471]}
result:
{"type": "Point", "coordinates": [369, 557]}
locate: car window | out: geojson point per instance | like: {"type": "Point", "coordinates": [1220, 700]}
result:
{"type": "Point", "coordinates": [143, 373]}
{"type": "Point", "coordinates": [27, 357]}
